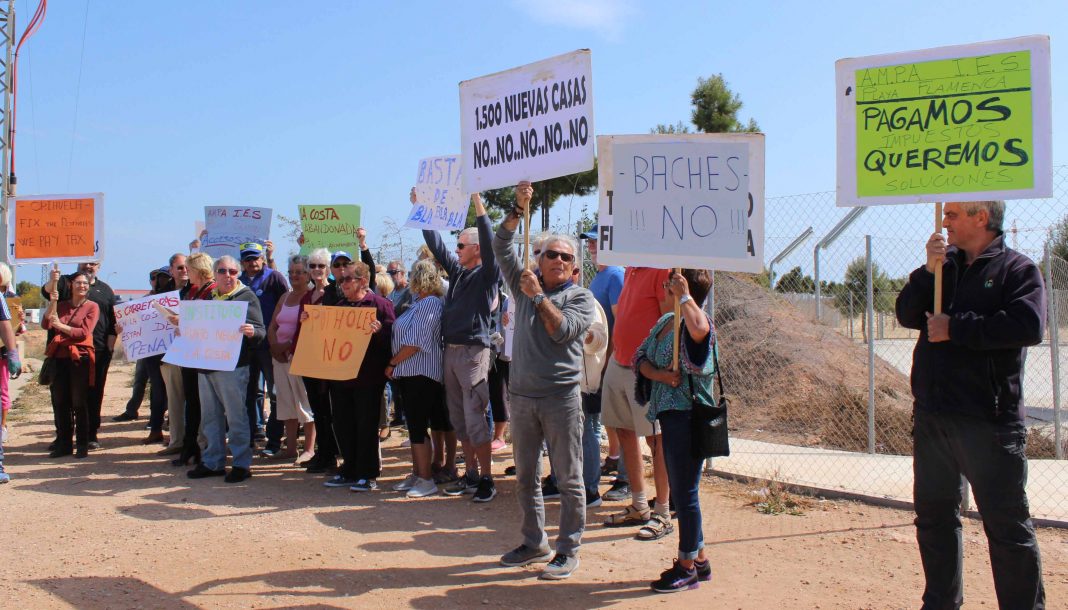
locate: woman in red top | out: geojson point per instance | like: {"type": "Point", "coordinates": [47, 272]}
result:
{"type": "Point", "coordinates": [70, 325]}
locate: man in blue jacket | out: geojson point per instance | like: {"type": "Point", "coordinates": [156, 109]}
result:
{"type": "Point", "coordinates": [967, 380]}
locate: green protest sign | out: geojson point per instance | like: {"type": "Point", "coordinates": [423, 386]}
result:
{"type": "Point", "coordinates": [971, 121]}
{"type": "Point", "coordinates": [329, 226]}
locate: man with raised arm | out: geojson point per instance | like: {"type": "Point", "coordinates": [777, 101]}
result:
{"type": "Point", "coordinates": [552, 315]}
{"type": "Point", "coordinates": [967, 381]}
{"type": "Point", "coordinates": [466, 328]}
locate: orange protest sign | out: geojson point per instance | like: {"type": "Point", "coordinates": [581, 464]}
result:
{"type": "Point", "coordinates": [333, 342]}
{"type": "Point", "coordinates": [56, 228]}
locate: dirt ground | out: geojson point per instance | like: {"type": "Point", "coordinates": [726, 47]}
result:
{"type": "Point", "coordinates": [125, 529]}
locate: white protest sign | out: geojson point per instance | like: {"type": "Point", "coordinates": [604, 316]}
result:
{"type": "Point", "coordinates": [229, 226]}
{"type": "Point", "coordinates": [533, 122]}
{"type": "Point", "coordinates": [145, 331]}
{"type": "Point", "coordinates": [440, 202]}
{"type": "Point", "coordinates": [693, 201]}
{"type": "Point", "coordinates": [963, 122]}
{"type": "Point", "coordinates": [56, 228]}
{"type": "Point", "coordinates": [209, 336]}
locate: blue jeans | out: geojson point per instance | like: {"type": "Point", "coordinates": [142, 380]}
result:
{"type": "Point", "coordinates": [684, 475]}
{"type": "Point", "coordinates": [948, 448]}
{"type": "Point", "coordinates": [591, 442]}
{"type": "Point", "coordinates": [222, 407]}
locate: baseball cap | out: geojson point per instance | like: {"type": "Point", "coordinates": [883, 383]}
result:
{"type": "Point", "coordinates": [590, 234]}
{"type": "Point", "coordinates": [251, 250]}
{"type": "Point", "coordinates": [157, 272]}
{"type": "Point", "coordinates": [340, 254]}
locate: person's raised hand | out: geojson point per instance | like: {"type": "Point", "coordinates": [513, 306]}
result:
{"type": "Point", "coordinates": [411, 196]}
{"type": "Point", "coordinates": [529, 284]}
{"type": "Point", "coordinates": [523, 193]}
{"type": "Point", "coordinates": [936, 251]}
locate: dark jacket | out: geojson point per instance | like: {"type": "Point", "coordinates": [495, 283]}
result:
{"type": "Point", "coordinates": [997, 307]}
{"type": "Point", "coordinates": [468, 303]}
{"type": "Point", "coordinates": [254, 316]}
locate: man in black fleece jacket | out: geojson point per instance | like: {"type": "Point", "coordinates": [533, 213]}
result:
{"type": "Point", "coordinates": [967, 380]}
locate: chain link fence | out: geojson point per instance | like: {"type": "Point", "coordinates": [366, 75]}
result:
{"type": "Point", "coordinates": [817, 366]}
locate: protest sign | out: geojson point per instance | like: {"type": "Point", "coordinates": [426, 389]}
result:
{"type": "Point", "coordinates": [209, 335]}
{"type": "Point", "coordinates": [329, 226]}
{"type": "Point", "coordinates": [441, 203]}
{"type": "Point", "coordinates": [145, 330]}
{"type": "Point", "coordinates": [675, 200]}
{"type": "Point", "coordinates": [59, 228]}
{"type": "Point", "coordinates": [938, 124]}
{"type": "Point", "coordinates": [533, 122]}
{"type": "Point", "coordinates": [333, 341]}
{"type": "Point", "coordinates": [227, 227]}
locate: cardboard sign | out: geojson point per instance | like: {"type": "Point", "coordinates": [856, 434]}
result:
{"type": "Point", "coordinates": [441, 203]}
{"type": "Point", "coordinates": [333, 342]}
{"type": "Point", "coordinates": [145, 330]}
{"type": "Point", "coordinates": [965, 122]}
{"type": "Point", "coordinates": [209, 336]}
{"type": "Point", "coordinates": [60, 228]}
{"type": "Point", "coordinates": [676, 200]}
{"type": "Point", "coordinates": [533, 122]}
{"type": "Point", "coordinates": [227, 227]}
{"type": "Point", "coordinates": [329, 226]}
{"type": "Point", "coordinates": [17, 311]}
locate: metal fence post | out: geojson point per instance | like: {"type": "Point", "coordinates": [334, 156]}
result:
{"type": "Point", "coordinates": [1054, 353]}
{"type": "Point", "coordinates": [816, 273]}
{"type": "Point", "coordinates": [870, 313]}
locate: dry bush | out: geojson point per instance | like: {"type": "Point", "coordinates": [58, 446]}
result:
{"type": "Point", "coordinates": [793, 380]}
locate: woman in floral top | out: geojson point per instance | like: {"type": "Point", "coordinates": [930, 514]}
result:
{"type": "Point", "coordinates": [669, 394]}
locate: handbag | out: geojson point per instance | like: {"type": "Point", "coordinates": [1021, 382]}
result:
{"type": "Point", "coordinates": [708, 423]}
{"type": "Point", "coordinates": [48, 371]}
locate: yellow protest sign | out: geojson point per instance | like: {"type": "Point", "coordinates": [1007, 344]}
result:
{"type": "Point", "coordinates": [333, 342]}
{"type": "Point", "coordinates": [969, 121]}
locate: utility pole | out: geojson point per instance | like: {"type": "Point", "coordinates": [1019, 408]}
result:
{"type": "Point", "coordinates": [7, 189]}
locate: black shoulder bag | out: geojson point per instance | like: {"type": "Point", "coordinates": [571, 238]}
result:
{"type": "Point", "coordinates": [708, 423]}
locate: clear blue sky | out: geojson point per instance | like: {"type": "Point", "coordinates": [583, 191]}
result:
{"type": "Point", "coordinates": [275, 104]}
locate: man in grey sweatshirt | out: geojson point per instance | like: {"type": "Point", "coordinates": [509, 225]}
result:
{"type": "Point", "coordinates": [466, 328]}
{"type": "Point", "coordinates": [552, 317]}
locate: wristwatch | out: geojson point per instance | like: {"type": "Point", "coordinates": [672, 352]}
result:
{"type": "Point", "coordinates": [685, 299]}
{"type": "Point", "coordinates": [538, 298]}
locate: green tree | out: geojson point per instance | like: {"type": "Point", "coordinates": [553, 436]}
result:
{"type": "Point", "coordinates": [1059, 239]}
{"type": "Point", "coordinates": [796, 282]}
{"type": "Point", "coordinates": [30, 294]}
{"type": "Point", "coordinates": [670, 129]}
{"type": "Point", "coordinates": [715, 107]}
{"type": "Point", "coordinates": [852, 293]}
{"type": "Point", "coordinates": [546, 193]}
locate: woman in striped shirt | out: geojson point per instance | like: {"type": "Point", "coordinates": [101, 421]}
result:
{"type": "Point", "coordinates": [416, 372]}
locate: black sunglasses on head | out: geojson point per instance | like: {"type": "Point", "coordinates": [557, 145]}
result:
{"type": "Point", "coordinates": [564, 256]}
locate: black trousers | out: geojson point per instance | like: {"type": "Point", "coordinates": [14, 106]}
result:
{"type": "Point", "coordinates": [70, 402]}
{"type": "Point", "coordinates": [498, 388]}
{"type": "Point", "coordinates": [356, 415]}
{"type": "Point", "coordinates": [191, 386]}
{"type": "Point", "coordinates": [319, 399]}
{"type": "Point", "coordinates": [96, 393]}
{"type": "Point", "coordinates": [157, 396]}
{"type": "Point", "coordinates": [991, 457]}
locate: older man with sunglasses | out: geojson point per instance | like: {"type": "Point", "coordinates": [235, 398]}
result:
{"type": "Point", "coordinates": [552, 315]}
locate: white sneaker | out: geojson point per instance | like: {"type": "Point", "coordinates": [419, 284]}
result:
{"type": "Point", "coordinates": [423, 488]}
{"type": "Point", "coordinates": [408, 482]}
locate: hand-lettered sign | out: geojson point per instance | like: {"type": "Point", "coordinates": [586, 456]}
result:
{"type": "Point", "coordinates": [333, 342]}
{"type": "Point", "coordinates": [533, 122]}
{"type": "Point", "coordinates": [230, 226]}
{"type": "Point", "coordinates": [209, 335]}
{"type": "Point", "coordinates": [329, 226]}
{"type": "Point", "coordinates": [938, 124]}
{"type": "Point", "coordinates": [676, 200]}
{"type": "Point", "coordinates": [440, 200]}
{"type": "Point", "coordinates": [60, 228]}
{"type": "Point", "coordinates": [145, 331]}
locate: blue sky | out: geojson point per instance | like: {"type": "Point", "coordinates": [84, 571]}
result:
{"type": "Point", "coordinates": [276, 104]}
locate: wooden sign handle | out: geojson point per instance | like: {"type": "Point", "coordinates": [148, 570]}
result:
{"type": "Point", "coordinates": [526, 238]}
{"type": "Point", "coordinates": [938, 268]}
{"type": "Point", "coordinates": [678, 325]}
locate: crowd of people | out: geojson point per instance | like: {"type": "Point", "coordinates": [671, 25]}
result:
{"type": "Point", "coordinates": [578, 358]}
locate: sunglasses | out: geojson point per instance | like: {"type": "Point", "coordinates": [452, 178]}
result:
{"type": "Point", "coordinates": [348, 279]}
{"type": "Point", "coordinates": [564, 256]}
{"type": "Point", "coordinates": [180, 268]}
{"type": "Point", "coordinates": [227, 271]}
{"type": "Point", "coordinates": [395, 272]}
{"type": "Point", "coordinates": [317, 265]}
{"type": "Point", "coordinates": [339, 265]}
{"type": "Point", "coordinates": [461, 246]}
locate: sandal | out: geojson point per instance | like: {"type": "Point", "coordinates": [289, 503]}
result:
{"type": "Point", "coordinates": [655, 528]}
{"type": "Point", "coordinates": [630, 516]}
